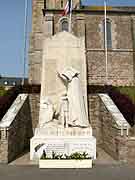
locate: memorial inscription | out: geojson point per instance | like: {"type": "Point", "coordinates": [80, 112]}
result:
{"type": "Point", "coordinates": [69, 146]}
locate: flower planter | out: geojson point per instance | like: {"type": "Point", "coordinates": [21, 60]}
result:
{"type": "Point", "coordinates": [86, 163]}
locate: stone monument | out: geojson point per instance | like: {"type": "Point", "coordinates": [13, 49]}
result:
{"type": "Point", "coordinates": [63, 126]}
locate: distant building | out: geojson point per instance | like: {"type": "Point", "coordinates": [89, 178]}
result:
{"type": "Point", "coordinates": [11, 81]}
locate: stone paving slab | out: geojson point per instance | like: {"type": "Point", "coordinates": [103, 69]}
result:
{"type": "Point", "coordinates": [23, 160]}
{"type": "Point", "coordinates": [98, 172]}
{"type": "Point", "coordinates": [105, 168]}
{"type": "Point", "coordinates": [104, 158]}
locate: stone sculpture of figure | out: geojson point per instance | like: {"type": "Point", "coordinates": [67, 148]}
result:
{"type": "Point", "coordinates": [64, 111]}
{"type": "Point", "coordinates": [77, 111]}
{"type": "Point", "coordinates": [48, 116]}
{"type": "Point", "coordinates": [47, 112]}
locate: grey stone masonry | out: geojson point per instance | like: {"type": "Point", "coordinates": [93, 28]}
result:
{"type": "Point", "coordinates": [111, 129]}
{"type": "Point", "coordinates": [94, 114]}
{"type": "Point", "coordinates": [34, 101]}
{"type": "Point", "coordinates": [87, 23]}
{"type": "Point", "coordinates": [15, 129]}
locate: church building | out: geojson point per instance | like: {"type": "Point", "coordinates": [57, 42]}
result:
{"type": "Point", "coordinates": [88, 23]}
{"type": "Point", "coordinates": [95, 51]}
{"type": "Point", "coordinates": [110, 62]}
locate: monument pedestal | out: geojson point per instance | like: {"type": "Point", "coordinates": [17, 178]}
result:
{"type": "Point", "coordinates": [63, 126]}
{"type": "Point", "coordinates": [62, 141]}
{"type": "Point", "coordinates": [87, 163]}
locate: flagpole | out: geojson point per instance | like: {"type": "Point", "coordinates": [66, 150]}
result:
{"type": "Point", "coordinates": [25, 40]}
{"type": "Point", "coordinates": [106, 55]}
{"type": "Point", "coordinates": [70, 17]}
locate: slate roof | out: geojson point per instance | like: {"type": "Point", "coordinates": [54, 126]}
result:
{"type": "Point", "coordinates": [11, 81]}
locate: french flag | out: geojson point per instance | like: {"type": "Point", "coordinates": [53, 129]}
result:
{"type": "Point", "coordinates": [67, 8]}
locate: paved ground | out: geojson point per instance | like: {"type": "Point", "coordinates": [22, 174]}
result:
{"type": "Point", "coordinates": [105, 168]}
{"type": "Point", "coordinates": [99, 172]}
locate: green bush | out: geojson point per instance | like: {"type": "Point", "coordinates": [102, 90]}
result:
{"type": "Point", "coordinates": [76, 155]}
{"type": "Point", "coordinates": [128, 91]}
{"type": "Point", "coordinates": [123, 97]}
{"type": "Point", "coordinates": [2, 91]}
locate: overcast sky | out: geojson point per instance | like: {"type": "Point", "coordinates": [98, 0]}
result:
{"type": "Point", "coordinates": [12, 32]}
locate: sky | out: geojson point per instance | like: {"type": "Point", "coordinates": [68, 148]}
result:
{"type": "Point", "coordinates": [12, 36]}
{"type": "Point", "coordinates": [12, 33]}
{"type": "Point", "coordinates": [111, 2]}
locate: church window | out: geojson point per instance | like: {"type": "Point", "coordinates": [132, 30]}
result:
{"type": "Point", "coordinates": [108, 33]}
{"type": "Point", "coordinates": [64, 25]}
{"type": "Point", "coordinates": [61, 3]}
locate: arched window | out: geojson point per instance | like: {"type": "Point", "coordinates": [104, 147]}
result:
{"type": "Point", "coordinates": [108, 33]}
{"type": "Point", "coordinates": [64, 25]}
{"type": "Point", "coordinates": [61, 4]}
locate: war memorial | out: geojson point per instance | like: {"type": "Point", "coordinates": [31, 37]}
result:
{"type": "Point", "coordinates": [64, 117]}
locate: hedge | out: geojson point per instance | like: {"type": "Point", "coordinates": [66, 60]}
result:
{"type": "Point", "coordinates": [123, 102]}
{"type": "Point", "coordinates": [7, 98]}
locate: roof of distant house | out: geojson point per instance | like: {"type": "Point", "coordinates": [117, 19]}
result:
{"type": "Point", "coordinates": [100, 9]}
{"type": "Point", "coordinates": [11, 81]}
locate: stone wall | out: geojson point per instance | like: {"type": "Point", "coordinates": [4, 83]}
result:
{"type": "Point", "coordinates": [120, 68]}
{"type": "Point", "coordinates": [126, 149]}
{"type": "Point", "coordinates": [130, 150]}
{"type": "Point", "coordinates": [36, 37]}
{"type": "Point", "coordinates": [121, 59]}
{"type": "Point", "coordinates": [3, 147]}
{"type": "Point", "coordinates": [94, 114]}
{"type": "Point", "coordinates": [120, 27]}
{"type": "Point", "coordinates": [15, 130]}
{"type": "Point", "coordinates": [34, 101]}
{"type": "Point", "coordinates": [110, 131]}
{"type": "Point", "coordinates": [103, 125]}
{"type": "Point", "coordinates": [120, 56]}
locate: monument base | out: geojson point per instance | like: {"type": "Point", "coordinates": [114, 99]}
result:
{"type": "Point", "coordinates": [62, 144]}
{"type": "Point", "coordinates": [86, 163]}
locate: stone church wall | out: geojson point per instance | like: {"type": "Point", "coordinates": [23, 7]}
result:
{"type": "Point", "coordinates": [120, 68]}
{"type": "Point", "coordinates": [120, 57]}
{"type": "Point", "coordinates": [36, 37]}
{"type": "Point", "coordinates": [121, 63]}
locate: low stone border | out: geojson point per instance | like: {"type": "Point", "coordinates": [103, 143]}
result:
{"type": "Point", "coordinates": [120, 121]}
{"type": "Point", "coordinates": [86, 163]}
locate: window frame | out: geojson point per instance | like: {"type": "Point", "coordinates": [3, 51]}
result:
{"type": "Point", "coordinates": [61, 3]}
{"type": "Point", "coordinates": [61, 21]}
{"type": "Point", "coordinates": [109, 32]}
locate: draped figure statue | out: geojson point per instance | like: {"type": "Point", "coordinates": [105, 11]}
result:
{"type": "Point", "coordinates": [77, 111]}
{"type": "Point", "coordinates": [47, 112]}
